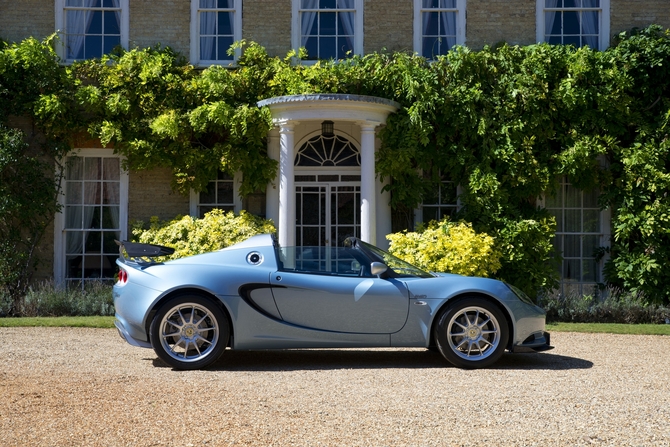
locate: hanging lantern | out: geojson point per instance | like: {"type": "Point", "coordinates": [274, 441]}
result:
{"type": "Point", "coordinates": [328, 129]}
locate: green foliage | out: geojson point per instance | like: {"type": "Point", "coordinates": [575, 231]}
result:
{"type": "Point", "coordinates": [191, 236]}
{"type": "Point", "coordinates": [27, 206]}
{"type": "Point", "coordinates": [158, 111]}
{"type": "Point", "coordinates": [615, 307]}
{"type": "Point", "coordinates": [528, 254]}
{"type": "Point", "coordinates": [48, 300]}
{"type": "Point", "coordinates": [33, 86]}
{"type": "Point", "coordinates": [448, 247]}
{"type": "Point", "coordinates": [505, 123]}
{"type": "Point", "coordinates": [642, 222]}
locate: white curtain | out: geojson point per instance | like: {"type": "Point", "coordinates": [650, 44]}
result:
{"type": "Point", "coordinates": [112, 192]}
{"type": "Point", "coordinates": [549, 17]}
{"type": "Point", "coordinates": [590, 28]}
{"type": "Point", "coordinates": [448, 31]}
{"type": "Point", "coordinates": [83, 203]}
{"type": "Point", "coordinates": [79, 217]}
{"type": "Point", "coordinates": [207, 28]}
{"type": "Point", "coordinates": [78, 24]}
{"type": "Point", "coordinates": [348, 20]}
{"type": "Point", "coordinates": [307, 20]}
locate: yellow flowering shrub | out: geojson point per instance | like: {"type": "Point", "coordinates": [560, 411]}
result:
{"type": "Point", "coordinates": [448, 247]}
{"type": "Point", "coordinates": [190, 236]}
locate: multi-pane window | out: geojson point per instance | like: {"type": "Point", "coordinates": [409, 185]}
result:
{"type": "Point", "coordinates": [579, 233]}
{"type": "Point", "coordinates": [438, 26]}
{"type": "Point", "coordinates": [220, 194]}
{"type": "Point", "coordinates": [440, 203]}
{"type": "Point", "coordinates": [91, 28]}
{"type": "Point", "coordinates": [574, 22]}
{"type": "Point", "coordinates": [328, 29]}
{"type": "Point", "coordinates": [216, 24]}
{"type": "Point", "coordinates": [92, 210]}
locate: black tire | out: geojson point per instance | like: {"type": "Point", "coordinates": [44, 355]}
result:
{"type": "Point", "coordinates": [189, 332]}
{"type": "Point", "coordinates": [471, 333]}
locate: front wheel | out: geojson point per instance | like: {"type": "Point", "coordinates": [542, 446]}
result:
{"type": "Point", "coordinates": [189, 332]}
{"type": "Point", "coordinates": [472, 333]}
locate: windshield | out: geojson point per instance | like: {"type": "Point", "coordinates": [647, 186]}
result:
{"type": "Point", "coordinates": [400, 267]}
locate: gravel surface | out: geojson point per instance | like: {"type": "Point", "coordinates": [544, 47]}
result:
{"type": "Point", "coordinates": [72, 387]}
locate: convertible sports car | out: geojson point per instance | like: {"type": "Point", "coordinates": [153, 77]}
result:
{"type": "Point", "coordinates": [258, 295]}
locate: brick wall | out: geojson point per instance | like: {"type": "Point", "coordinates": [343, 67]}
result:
{"type": "Point", "coordinates": [492, 21]}
{"type": "Point", "coordinates": [269, 24]}
{"type": "Point", "coordinates": [628, 14]}
{"type": "Point", "coordinates": [166, 22]}
{"type": "Point", "coordinates": [388, 24]}
{"type": "Point", "coordinates": [25, 18]}
{"type": "Point", "coordinates": [150, 194]}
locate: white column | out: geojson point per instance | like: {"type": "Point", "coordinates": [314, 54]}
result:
{"type": "Point", "coordinates": [383, 214]}
{"type": "Point", "coordinates": [368, 183]}
{"type": "Point", "coordinates": [286, 184]}
{"type": "Point", "coordinates": [272, 191]}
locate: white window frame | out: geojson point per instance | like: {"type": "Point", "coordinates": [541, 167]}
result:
{"type": "Point", "coordinates": [604, 234]}
{"type": "Point", "coordinates": [194, 199]}
{"type": "Point", "coordinates": [418, 22]}
{"type": "Point", "coordinates": [59, 218]}
{"type": "Point", "coordinates": [603, 17]}
{"type": "Point", "coordinates": [195, 33]}
{"type": "Point", "coordinates": [296, 28]}
{"type": "Point", "coordinates": [60, 10]}
{"type": "Point", "coordinates": [418, 212]}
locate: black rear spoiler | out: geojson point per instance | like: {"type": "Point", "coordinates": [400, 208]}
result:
{"type": "Point", "coordinates": [142, 253]}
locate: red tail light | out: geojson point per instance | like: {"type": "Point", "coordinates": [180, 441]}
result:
{"type": "Point", "coordinates": [123, 276]}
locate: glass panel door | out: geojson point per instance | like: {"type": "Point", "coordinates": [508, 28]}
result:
{"type": "Point", "coordinates": [327, 213]}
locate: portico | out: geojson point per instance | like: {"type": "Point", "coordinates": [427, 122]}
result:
{"type": "Point", "coordinates": [326, 143]}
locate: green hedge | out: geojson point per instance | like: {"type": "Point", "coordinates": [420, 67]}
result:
{"type": "Point", "coordinates": [191, 236]}
{"type": "Point", "coordinates": [448, 247]}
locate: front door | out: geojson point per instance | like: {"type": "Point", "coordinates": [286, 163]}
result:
{"type": "Point", "coordinates": [328, 209]}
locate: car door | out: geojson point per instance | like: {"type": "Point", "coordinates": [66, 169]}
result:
{"type": "Point", "coordinates": [328, 293]}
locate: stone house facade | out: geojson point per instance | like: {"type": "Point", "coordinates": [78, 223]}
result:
{"type": "Point", "coordinates": [99, 194]}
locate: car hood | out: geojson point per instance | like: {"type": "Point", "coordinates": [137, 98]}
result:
{"type": "Point", "coordinates": [447, 285]}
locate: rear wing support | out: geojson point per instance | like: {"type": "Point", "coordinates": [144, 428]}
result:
{"type": "Point", "coordinates": [142, 253]}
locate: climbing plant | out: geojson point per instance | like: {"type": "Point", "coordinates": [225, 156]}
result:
{"type": "Point", "coordinates": [506, 123]}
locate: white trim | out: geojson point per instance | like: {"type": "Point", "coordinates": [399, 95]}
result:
{"type": "Point", "coordinates": [296, 29]}
{"type": "Point", "coordinates": [604, 25]}
{"type": "Point", "coordinates": [418, 25]}
{"type": "Point", "coordinates": [195, 35]}
{"type": "Point", "coordinates": [194, 197]}
{"type": "Point", "coordinates": [418, 212]}
{"type": "Point", "coordinates": [59, 218]}
{"type": "Point", "coordinates": [603, 233]}
{"type": "Point", "coordinates": [59, 9]}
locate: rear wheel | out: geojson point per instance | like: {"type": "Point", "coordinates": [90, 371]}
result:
{"type": "Point", "coordinates": [189, 332]}
{"type": "Point", "coordinates": [472, 333]}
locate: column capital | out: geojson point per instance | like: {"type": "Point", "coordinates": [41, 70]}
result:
{"type": "Point", "coordinates": [286, 126]}
{"type": "Point", "coordinates": [367, 125]}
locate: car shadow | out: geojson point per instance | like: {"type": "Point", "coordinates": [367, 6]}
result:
{"type": "Point", "coordinates": [327, 359]}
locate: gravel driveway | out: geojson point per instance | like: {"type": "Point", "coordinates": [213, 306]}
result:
{"type": "Point", "coordinates": [62, 387]}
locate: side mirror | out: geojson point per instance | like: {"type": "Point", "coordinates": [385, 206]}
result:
{"type": "Point", "coordinates": [378, 268]}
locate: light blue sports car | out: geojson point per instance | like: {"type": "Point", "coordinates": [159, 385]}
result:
{"type": "Point", "coordinates": [258, 295]}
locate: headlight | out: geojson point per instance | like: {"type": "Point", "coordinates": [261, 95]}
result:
{"type": "Point", "coordinates": [520, 294]}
